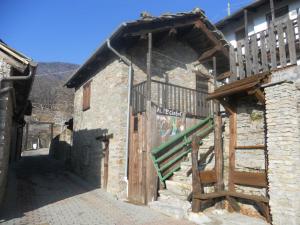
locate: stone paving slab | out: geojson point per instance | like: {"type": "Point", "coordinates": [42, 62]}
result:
{"type": "Point", "coordinates": [41, 192]}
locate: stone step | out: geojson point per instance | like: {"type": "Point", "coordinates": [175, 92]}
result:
{"type": "Point", "coordinates": [172, 207]}
{"type": "Point", "coordinates": [179, 188]}
{"type": "Point", "coordinates": [182, 178]}
{"type": "Point", "coordinates": [166, 194]}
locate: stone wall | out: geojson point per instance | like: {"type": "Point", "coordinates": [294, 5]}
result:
{"type": "Point", "coordinates": [250, 132]}
{"type": "Point", "coordinates": [5, 129]}
{"type": "Point", "coordinates": [172, 60]}
{"type": "Point", "coordinates": [60, 147]}
{"type": "Point", "coordinates": [107, 114]}
{"type": "Point", "coordinates": [283, 143]}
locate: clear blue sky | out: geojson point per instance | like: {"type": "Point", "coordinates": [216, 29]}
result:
{"type": "Point", "coordinates": [70, 30]}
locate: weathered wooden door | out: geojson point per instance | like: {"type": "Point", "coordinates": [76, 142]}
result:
{"type": "Point", "coordinates": [137, 161]}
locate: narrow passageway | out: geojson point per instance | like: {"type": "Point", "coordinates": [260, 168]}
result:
{"type": "Point", "coordinates": [40, 191]}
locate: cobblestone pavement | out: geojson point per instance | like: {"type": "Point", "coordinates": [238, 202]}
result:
{"type": "Point", "coordinates": [42, 192]}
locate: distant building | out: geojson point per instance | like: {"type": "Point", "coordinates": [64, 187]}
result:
{"type": "Point", "coordinates": [16, 77]}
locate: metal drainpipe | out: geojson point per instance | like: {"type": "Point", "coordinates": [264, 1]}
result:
{"type": "Point", "coordinates": [130, 74]}
{"type": "Point", "coordinates": [11, 89]}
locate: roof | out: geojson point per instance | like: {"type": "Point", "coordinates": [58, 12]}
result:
{"type": "Point", "coordinates": [16, 59]}
{"type": "Point", "coordinates": [240, 13]}
{"type": "Point", "coordinates": [21, 65]}
{"type": "Point", "coordinates": [130, 32]}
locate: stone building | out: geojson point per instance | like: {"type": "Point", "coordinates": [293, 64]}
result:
{"type": "Point", "coordinates": [147, 77]}
{"type": "Point", "coordinates": [16, 78]}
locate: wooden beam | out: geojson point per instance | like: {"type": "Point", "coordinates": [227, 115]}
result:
{"type": "Point", "coordinates": [257, 92]}
{"type": "Point", "coordinates": [208, 176]}
{"type": "Point", "coordinates": [246, 22]}
{"type": "Point", "coordinates": [251, 147]}
{"type": "Point", "coordinates": [196, 182]}
{"type": "Point", "coordinates": [227, 106]}
{"type": "Point", "coordinates": [232, 144]}
{"type": "Point", "coordinates": [149, 64]}
{"type": "Point", "coordinates": [249, 179]}
{"type": "Point", "coordinates": [225, 75]}
{"type": "Point", "coordinates": [210, 53]}
{"type": "Point", "coordinates": [200, 25]}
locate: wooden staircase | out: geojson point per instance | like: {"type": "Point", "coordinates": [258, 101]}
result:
{"type": "Point", "coordinates": [175, 199]}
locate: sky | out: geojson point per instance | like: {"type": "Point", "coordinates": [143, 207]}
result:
{"type": "Point", "coordinates": [71, 30]}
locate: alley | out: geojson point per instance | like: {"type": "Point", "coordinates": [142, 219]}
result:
{"type": "Point", "coordinates": [42, 192]}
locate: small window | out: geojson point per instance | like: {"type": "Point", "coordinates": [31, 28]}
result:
{"type": "Point", "coordinates": [240, 34]}
{"type": "Point", "coordinates": [280, 13]}
{"type": "Point", "coordinates": [86, 96]}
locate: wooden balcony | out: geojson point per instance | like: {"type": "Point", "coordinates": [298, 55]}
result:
{"type": "Point", "coordinates": [172, 98]}
{"type": "Point", "coordinates": [269, 50]}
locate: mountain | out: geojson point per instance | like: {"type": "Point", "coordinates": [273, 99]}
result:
{"type": "Point", "coordinates": [51, 100]}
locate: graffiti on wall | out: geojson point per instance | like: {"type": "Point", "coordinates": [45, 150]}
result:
{"type": "Point", "coordinates": [169, 126]}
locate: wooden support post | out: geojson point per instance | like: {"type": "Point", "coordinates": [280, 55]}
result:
{"type": "Point", "coordinates": [51, 130]}
{"type": "Point", "coordinates": [149, 64]}
{"type": "Point", "coordinates": [26, 137]}
{"type": "Point", "coordinates": [106, 159]}
{"type": "Point", "coordinates": [246, 22]}
{"type": "Point", "coordinates": [232, 145]}
{"type": "Point", "coordinates": [272, 10]}
{"type": "Point", "coordinates": [196, 183]}
{"type": "Point", "coordinates": [218, 139]}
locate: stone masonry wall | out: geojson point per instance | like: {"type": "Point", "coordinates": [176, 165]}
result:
{"type": "Point", "coordinates": [107, 114]}
{"type": "Point", "coordinates": [250, 131]}
{"type": "Point", "coordinates": [172, 60]}
{"type": "Point", "coordinates": [5, 130]}
{"type": "Point", "coordinates": [283, 143]}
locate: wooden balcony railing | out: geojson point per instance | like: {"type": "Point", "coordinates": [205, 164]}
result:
{"type": "Point", "coordinates": [172, 97]}
{"type": "Point", "coordinates": [277, 47]}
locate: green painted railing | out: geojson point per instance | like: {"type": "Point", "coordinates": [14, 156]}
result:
{"type": "Point", "coordinates": [167, 156]}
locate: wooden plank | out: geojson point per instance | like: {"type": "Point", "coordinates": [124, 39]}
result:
{"type": "Point", "coordinates": [218, 148]}
{"type": "Point", "coordinates": [251, 147]}
{"type": "Point", "coordinates": [232, 144]}
{"type": "Point", "coordinates": [249, 179]}
{"type": "Point", "coordinates": [247, 196]}
{"type": "Point", "coordinates": [290, 32]}
{"type": "Point", "coordinates": [272, 46]}
{"type": "Point", "coordinates": [208, 177]}
{"type": "Point", "coordinates": [282, 52]}
{"type": "Point", "coordinates": [248, 58]}
{"type": "Point", "coordinates": [240, 58]}
{"type": "Point", "coordinates": [254, 53]}
{"type": "Point", "coordinates": [196, 182]}
{"type": "Point", "coordinates": [265, 209]}
{"type": "Point", "coordinates": [232, 58]}
{"type": "Point", "coordinates": [149, 65]}
{"type": "Point", "coordinates": [212, 195]}
{"type": "Point", "coordinates": [237, 85]}
{"type": "Point", "coordinates": [264, 55]}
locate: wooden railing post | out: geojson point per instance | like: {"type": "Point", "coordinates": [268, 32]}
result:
{"type": "Point", "coordinates": [196, 182]}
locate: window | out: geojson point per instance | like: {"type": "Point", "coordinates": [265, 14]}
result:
{"type": "Point", "coordinates": [279, 14]}
{"type": "Point", "coordinates": [86, 96]}
{"type": "Point", "coordinates": [240, 34]}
